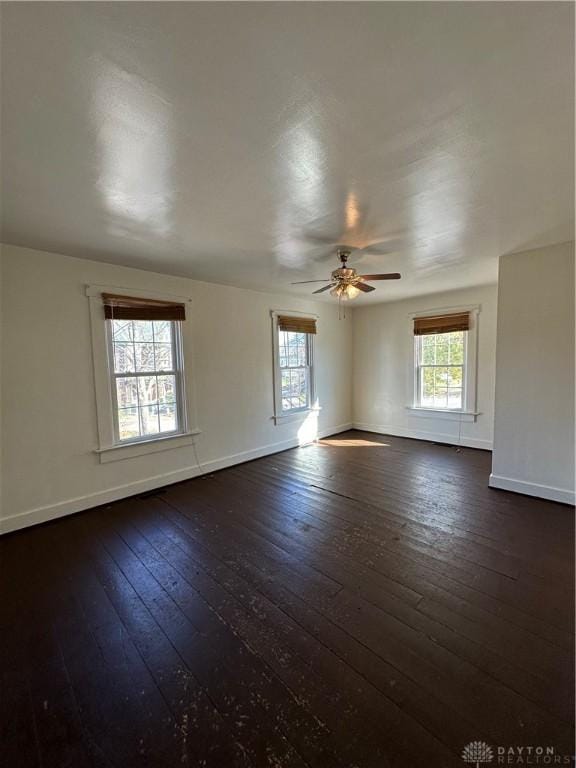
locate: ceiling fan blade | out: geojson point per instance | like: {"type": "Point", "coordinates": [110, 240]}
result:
{"type": "Point", "coordinates": [389, 276]}
{"type": "Point", "coordinates": [364, 287]}
{"type": "Point", "coordinates": [302, 282]}
{"type": "Point", "coordinates": [321, 290]}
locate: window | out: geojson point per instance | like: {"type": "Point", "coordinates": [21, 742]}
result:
{"type": "Point", "coordinates": [443, 367]}
{"type": "Point", "coordinates": [146, 378]}
{"type": "Point", "coordinates": [440, 369]}
{"type": "Point", "coordinates": [143, 403]}
{"type": "Point", "coordinates": [293, 364]}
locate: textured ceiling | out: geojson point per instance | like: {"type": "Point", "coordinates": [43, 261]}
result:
{"type": "Point", "coordinates": [229, 141]}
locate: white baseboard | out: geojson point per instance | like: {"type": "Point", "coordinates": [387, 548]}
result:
{"type": "Point", "coordinates": [418, 434]}
{"type": "Point", "coordinates": [563, 495]}
{"type": "Point", "coordinates": [70, 506]}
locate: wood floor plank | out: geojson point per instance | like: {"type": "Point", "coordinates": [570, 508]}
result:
{"type": "Point", "coordinates": [364, 602]}
{"type": "Point", "coordinates": [409, 652]}
{"type": "Point", "coordinates": [499, 636]}
{"type": "Point", "coordinates": [309, 685]}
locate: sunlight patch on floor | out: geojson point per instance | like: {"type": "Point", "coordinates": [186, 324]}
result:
{"type": "Point", "coordinates": [354, 443]}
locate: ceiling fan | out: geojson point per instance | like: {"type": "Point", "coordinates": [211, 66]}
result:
{"type": "Point", "coordinates": [345, 283]}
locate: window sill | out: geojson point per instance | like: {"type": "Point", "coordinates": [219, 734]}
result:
{"type": "Point", "coordinates": [440, 413]}
{"type": "Point", "coordinates": [294, 415]}
{"type": "Point", "coordinates": [156, 444]}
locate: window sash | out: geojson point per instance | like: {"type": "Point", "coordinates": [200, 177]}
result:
{"type": "Point", "coordinates": [419, 368]}
{"type": "Point", "coordinates": [176, 371]}
{"type": "Point", "coordinates": [307, 368]}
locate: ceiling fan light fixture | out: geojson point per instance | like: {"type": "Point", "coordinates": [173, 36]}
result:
{"type": "Point", "coordinates": [345, 292]}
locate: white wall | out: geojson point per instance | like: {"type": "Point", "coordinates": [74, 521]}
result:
{"type": "Point", "coordinates": [1, 425]}
{"type": "Point", "coordinates": [534, 426]}
{"type": "Point", "coordinates": [383, 351]}
{"type": "Point", "coordinates": [49, 430]}
{"type": "Point", "coordinates": [48, 410]}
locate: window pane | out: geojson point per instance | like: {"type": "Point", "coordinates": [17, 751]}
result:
{"type": "Point", "coordinates": [167, 389]}
{"type": "Point", "coordinates": [285, 384]}
{"type": "Point", "coordinates": [128, 423]}
{"type": "Point", "coordinates": [162, 331]}
{"type": "Point", "coordinates": [298, 388]}
{"type": "Point", "coordinates": [455, 377]}
{"type": "Point", "coordinates": [302, 350]}
{"type": "Point", "coordinates": [454, 397]}
{"type": "Point", "coordinates": [142, 330]}
{"type": "Point", "coordinates": [123, 357]}
{"type": "Point", "coordinates": [168, 422]}
{"type": "Point", "coordinates": [122, 330]}
{"type": "Point", "coordinates": [441, 398]}
{"type": "Point", "coordinates": [457, 348]}
{"type": "Point", "coordinates": [126, 392]}
{"type": "Point", "coordinates": [147, 390]}
{"type": "Point", "coordinates": [144, 356]}
{"type": "Point", "coordinates": [149, 419]}
{"type": "Point", "coordinates": [427, 385]}
{"type": "Point", "coordinates": [293, 349]}
{"type": "Point", "coordinates": [441, 377]}
{"type": "Point", "coordinates": [442, 348]}
{"type": "Point", "coordinates": [291, 359]}
{"type": "Point", "coordinates": [428, 346]}
{"type": "Point", "coordinates": [294, 389]}
{"type": "Point", "coordinates": [164, 357]}
{"type": "Point", "coordinates": [440, 387]}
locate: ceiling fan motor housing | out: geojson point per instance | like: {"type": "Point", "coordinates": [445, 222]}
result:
{"type": "Point", "coordinates": [344, 274]}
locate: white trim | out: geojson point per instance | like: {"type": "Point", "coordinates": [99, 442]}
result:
{"type": "Point", "coordinates": [563, 495]}
{"type": "Point", "coordinates": [292, 313]}
{"type": "Point", "coordinates": [97, 290]}
{"type": "Point", "coordinates": [442, 413]}
{"type": "Point", "coordinates": [70, 506]}
{"type": "Point", "coordinates": [143, 447]}
{"type": "Point", "coordinates": [289, 416]}
{"type": "Point", "coordinates": [433, 437]}
{"type": "Point", "coordinates": [103, 381]}
{"type": "Point", "coordinates": [445, 310]}
{"type": "Point", "coordinates": [280, 416]}
{"type": "Point", "coordinates": [470, 366]}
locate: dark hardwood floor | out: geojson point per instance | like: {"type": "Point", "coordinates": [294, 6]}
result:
{"type": "Point", "coordinates": [367, 601]}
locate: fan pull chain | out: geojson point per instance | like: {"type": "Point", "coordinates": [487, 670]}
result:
{"type": "Point", "coordinates": [341, 308]}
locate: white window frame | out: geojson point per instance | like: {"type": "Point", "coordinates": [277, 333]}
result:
{"type": "Point", "coordinates": [468, 411]}
{"type": "Point", "coordinates": [281, 416]}
{"type": "Point", "coordinates": [110, 447]}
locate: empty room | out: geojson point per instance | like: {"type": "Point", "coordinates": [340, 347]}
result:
{"type": "Point", "coordinates": [287, 384]}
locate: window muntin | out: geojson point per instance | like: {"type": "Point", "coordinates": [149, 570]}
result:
{"type": "Point", "coordinates": [295, 356]}
{"type": "Point", "coordinates": [440, 370]}
{"type": "Point", "coordinates": [146, 370]}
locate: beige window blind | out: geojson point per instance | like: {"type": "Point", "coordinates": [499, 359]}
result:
{"type": "Point", "coordinates": [441, 324]}
{"type": "Point", "coordinates": [132, 308]}
{"type": "Point", "coordinates": [296, 324]}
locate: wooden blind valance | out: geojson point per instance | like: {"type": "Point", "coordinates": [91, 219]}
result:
{"type": "Point", "coordinates": [132, 308]}
{"type": "Point", "coordinates": [441, 324]}
{"type": "Point", "coordinates": [296, 324]}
